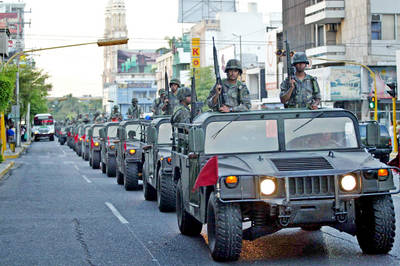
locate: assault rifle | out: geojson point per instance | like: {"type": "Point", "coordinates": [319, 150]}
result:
{"type": "Point", "coordinates": [221, 100]}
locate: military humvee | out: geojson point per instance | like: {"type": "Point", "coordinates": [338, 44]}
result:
{"type": "Point", "coordinates": [80, 139]}
{"type": "Point", "coordinates": [85, 142]}
{"type": "Point", "coordinates": [62, 135]}
{"type": "Point", "coordinates": [280, 169]}
{"type": "Point", "coordinates": [108, 163]}
{"type": "Point", "coordinates": [95, 147]}
{"type": "Point", "coordinates": [129, 154]}
{"type": "Point", "coordinates": [70, 137]}
{"type": "Point", "coordinates": [157, 168]}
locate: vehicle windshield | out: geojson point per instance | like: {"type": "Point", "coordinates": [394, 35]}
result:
{"type": "Point", "coordinates": [96, 132]}
{"type": "Point", "coordinates": [43, 120]}
{"type": "Point", "coordinates": [112, 131]}
{"type": "Point", "coordinates": [241, 136]}
{"type": "Point", "coordinates": [320, 133]}
{"type": "Point", "coordinates": [164, 134]}
{"type": "Point", "coordinates": [136, 128]}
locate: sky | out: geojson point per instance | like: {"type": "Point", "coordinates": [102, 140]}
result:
{"type": "Point", "coordinates": [78, 70]}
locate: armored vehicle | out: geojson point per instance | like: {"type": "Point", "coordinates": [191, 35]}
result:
{"type": "Point", "coordinates": [129, 154]}
{"type": "Point", "coordinates": [70, 138]}
{"type": "Point", "coordinates": [383, 148]}
{"type": "Point", "coordinates": [62, 135]}
{"type": "Point", "coordinates": [157, 168]}
{"type": "Point", "coordinates": [280, 169]}
{"type": "Point", "coordinates": [80, 139]}
{"type": "Point", "coordinates": [95, 147]}
{"type": "Point", "coordinates": [85, 142]}
{"type": "Point", "coordinates": [108, 151]}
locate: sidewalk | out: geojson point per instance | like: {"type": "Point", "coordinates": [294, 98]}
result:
{"type": "Point", "coordinates": [5, 167]}
{"type": "Point", "coordinates": [8, 154]}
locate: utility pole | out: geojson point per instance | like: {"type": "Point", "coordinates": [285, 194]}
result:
{"type": "Point", "coordinates": [240, 46]}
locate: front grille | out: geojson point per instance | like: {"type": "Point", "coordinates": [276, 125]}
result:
{"type": "Point", "coordinates": [311, 186]}
{"type": "Point", "coordinates": [302, 164]}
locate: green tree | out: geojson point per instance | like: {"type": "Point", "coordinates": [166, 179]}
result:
{"type": "Point", "coordinates": [204, 83]}
{"type": "Point", "coordinates": [7, 85]}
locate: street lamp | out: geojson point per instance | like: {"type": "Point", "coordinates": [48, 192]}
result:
{"type": "Point", "coordinates": [240, 46]}
{"type": "Point", "coordinates": [101, 42]}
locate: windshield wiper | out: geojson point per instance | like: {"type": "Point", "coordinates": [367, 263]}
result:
{"type": "Point", "coordinates": [309, 121]}
{"type": "Point", "coordinates": [227, 124]}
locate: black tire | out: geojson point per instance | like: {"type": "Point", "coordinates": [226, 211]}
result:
{"type": "Point", "coordinates": [90, 161]}
{"type": "Point", "coordinates": [131, 177]}
{"type": "Point", "coordinates": [224, 229]}
{"type": "Point", "coordinates": [166, 192]}
{"type": "Point", "coordinates": [149, 192]}
{"type": "Point", "coordinates": [187, 224]}
{"type": "Point", "coordinates": [96, 160]}
{"type": "Point", "coordinates": [52, 138]}
{"type": "Point", "coordinates": [62, 142]}
{"type": "Point", "coordinates": [111, 166]}
{"type": "Point", "coordinates": [120, 177]}
{"type": "Point", "coordinates": [86, 156]}
{"type": "Point", "coordinates": [311, 228]}
{"type": "Point", "coordinates": [103, 167]}
{"type": "Point", "coordinates": [376, 225]}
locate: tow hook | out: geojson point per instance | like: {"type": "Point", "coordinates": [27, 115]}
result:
{"type": "Point", "coordinates": [341, 216]}
{"type": "Point", "coordinates": [284, 216]}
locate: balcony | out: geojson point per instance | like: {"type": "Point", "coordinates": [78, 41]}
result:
{"type": "Point", "coordinates": [325, 12]}
{"type": "Point", "coordinates": [329, 52]}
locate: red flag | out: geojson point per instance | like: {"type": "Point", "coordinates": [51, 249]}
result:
{"type": "Point", "coordinates": [394, 162]}
{"type": "Point", "coordinates": [208, 174]}
{"type": "Point", "coordinates": [91, 143]}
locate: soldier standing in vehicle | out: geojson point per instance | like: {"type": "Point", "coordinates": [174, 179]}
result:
{"type": "Point", "coordinates": [234, 92]}
{"type": "Point", "coordinates": [182, 111]}
{"type": "Point", "coordinates": [171, 100]}
{"type": "Point", "coordinates": [156, 107]}
{"type": "Point", "coordinates": [134, 110]}
{"type": "Point", "coordinates": [303, 90]}
{"type": "Point", "coordinates": [115, 115]}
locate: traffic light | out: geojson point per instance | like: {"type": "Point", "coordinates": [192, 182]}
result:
{"type": "Point", "coordinates": [372, 102]}
{"type": "Point", "coordinates": [393, 89]}
{"type": "Point", "coordinates": [281, 52]}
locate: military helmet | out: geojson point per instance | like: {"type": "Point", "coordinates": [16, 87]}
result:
{"type": "Point", "coordinates": [183, 93]}
{"type": "Point", "coordinates": [175, 81]}
{"type": "Point", "coordinates": [161, 92]}
{"type": "Point", "coordinates": [233, 64]}
{"type": "Point", "coordinates": [300, 57]}
{"type": "Point", "coordinates": [115, 108]}
{"type": "Point", "coordinates": [134, 100]}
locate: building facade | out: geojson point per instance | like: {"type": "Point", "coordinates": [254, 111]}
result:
{"type": "Point", "coordinates": [334, 34]}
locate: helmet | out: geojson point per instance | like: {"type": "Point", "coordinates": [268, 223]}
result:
{"type": "Point", "coordinates": [175, 81]}
{"type": "Point", "coordinates": [115, 108]}
{"type": "Point", "coordinates": [299, 57]}
{"type": "Point", "coordinates": [233, 64]}
{"type": "Point", "coordinates": [161, 92]}
{"type": "Point", "coordinates": [134, 100]}
{"type": "Point", "coordinates": [183, 93]}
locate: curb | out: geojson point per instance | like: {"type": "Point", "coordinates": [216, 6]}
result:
{"type": "Point", "coordinates": [15, 156]}
{"type": "Point", "coordinates": [5, 171]}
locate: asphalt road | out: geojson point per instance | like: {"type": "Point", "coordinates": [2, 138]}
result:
{"type": "Point", "coordinates": [56, 210]}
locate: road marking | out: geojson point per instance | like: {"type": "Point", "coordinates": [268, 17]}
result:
{"type": "Point", "coordinates": [87, 179]}
{"type": "Point", "coordinates": [116, 213]}
{"type": "Point", "coordinates": [76, 167]}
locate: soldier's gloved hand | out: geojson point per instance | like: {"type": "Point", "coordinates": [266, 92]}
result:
{"type": "Point", "coordinates": [313, 107]}
{"type": "Point", "coordinates": [218, 88]}
{"type": "Point", "coordinates": [166, 100]}
{"type": "Point", "coordinates": [224, 109]}
{"type": "Point", "coordinates": [292, 82]}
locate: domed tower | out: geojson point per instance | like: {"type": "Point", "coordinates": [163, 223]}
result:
{"type": "Point", "coordinates": [115, 27]}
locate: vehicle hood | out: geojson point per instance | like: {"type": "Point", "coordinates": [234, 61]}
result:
{"type": "Point", "coordinates": [164, 151]}
{"type": "Point", "coordinates": [297, 163]}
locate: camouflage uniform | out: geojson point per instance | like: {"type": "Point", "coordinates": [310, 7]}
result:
{"type": "Point", "coordinates": [172, 98]}
{"type": "Point", "coordinates": [305, 92]}
{"type": "Point", "coordinates": [181, 114]}
{"type": "Point", "coordinates": [157, 103]}
{"type": "Point", "coordinates": [236, 96]}
{"type": "Point", "coordinates": [134, 112]}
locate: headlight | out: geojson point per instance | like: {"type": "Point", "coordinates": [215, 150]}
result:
{"type": "Point", "coordinates": [112, 147]}
{"type": "Point", "coordinates": [96, 144]}
{"type": "Point", "coordinates": [132, 151]}
{"type": "Point", "coordinates": [348, 183]}
{"type": "Point", "coordinates": [268, 186]}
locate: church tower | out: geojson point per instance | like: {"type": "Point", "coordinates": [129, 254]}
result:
{"type": "Point", "coordinates": [115, 27]}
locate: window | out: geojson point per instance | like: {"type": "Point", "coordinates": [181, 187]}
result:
{"type": "Point", "coordinates": [388, 24]}
{"type": "Point", "coordinates": [321, 39]}
{"type": "Point", "coordinates": [376, 30]}
{"type": "Point", "coordinates": [164, 133]}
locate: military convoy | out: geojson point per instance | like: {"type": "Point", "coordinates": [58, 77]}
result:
{"type": "Point", "coordinates": [273, 169]}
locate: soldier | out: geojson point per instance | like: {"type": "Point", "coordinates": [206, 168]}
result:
{"type": "Point", "coordinates": [134, 110]}
{"type": "Point", "coordinates": [182, 111]}
{"type": "Point", "coordinates": [115, 115]}
{"type": "Point", "coordinates": [156, 107]}
{"type": "Point", "coordinates": [303, 90]}
{"type": "Point", "coordinates": [234, 92]}
{"type": "Point", "coordinates": [171, 101]}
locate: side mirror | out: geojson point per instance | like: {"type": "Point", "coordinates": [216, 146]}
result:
{"type": "Point", "coordinates": [373, 133]}
{"type": "Point", "coordinates": [131, 134]}
{"type": "Point", "coordinates": [196, 140]}
{"type": "Point", "coordinates": [151, 135]}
